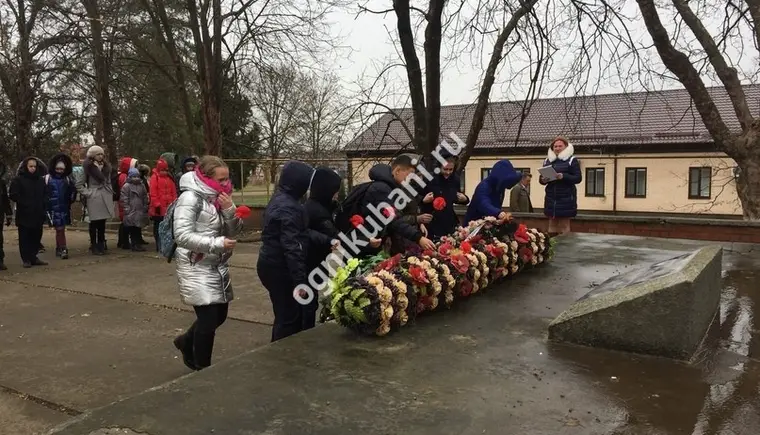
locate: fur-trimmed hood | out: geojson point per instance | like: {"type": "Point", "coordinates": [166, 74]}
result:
{"type": "Point", "coordinates": [41, 168]}
{"type": "Point", "coordinates": [66, 161]}
{"type": "Point", "coordinates": [564, 155]}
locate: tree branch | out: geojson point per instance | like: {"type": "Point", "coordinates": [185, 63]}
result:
{"type": "Point", "coordinates": [727, 74]}
{"type": "Point", "coordinates": [413, 69]}
{"type": "Point", "coordinates": [680, 65]}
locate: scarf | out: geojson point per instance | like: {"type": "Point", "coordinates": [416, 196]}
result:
{"type": "Point", "coordinates": [215, 185]}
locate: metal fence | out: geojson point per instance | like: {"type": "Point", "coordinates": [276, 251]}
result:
{"type": "Point", "coordinates": [255, 180]}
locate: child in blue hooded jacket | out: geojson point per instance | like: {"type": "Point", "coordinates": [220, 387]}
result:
{"type": "Point", "coordinates": [489, 195]}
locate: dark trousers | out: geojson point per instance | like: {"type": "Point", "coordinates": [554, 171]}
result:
{"type": "Point", "coordinates": [123, 241]}
{"type": "Point", "coordinates": [156, 222]}
{"type": "Point", "coordinates": [288, 312]}
{"type": "Point", "coordinates": [98, 232]}
{"type": "Point", "coordinates": [131, 236]}
{"type": "Point", "coordinates": [198, 341]}
{"type": "Point", "coordinates": [29, 239]}
{"type": "Point", "coordinates": [2, 251]}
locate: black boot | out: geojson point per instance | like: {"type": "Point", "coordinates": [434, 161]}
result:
{"type": "Point", "coordinates": [38, 262]}
{"type": "Point", "coordinates": [64, 253]}
{"type": "Point", "coordinates": [187, 357]}
{"type": "Point", "coordinates": [97, 249]}
{"type": "Point", "coordinates": [58, 252]}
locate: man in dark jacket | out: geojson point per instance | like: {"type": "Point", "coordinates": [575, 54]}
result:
{"type": "Point", "coordinates": [285, 241]}
{"type": "Point", "coordinates": [385, 191]}
{"type": "Point", "coordinates": [320, 208]}
{"type": "Point", "coordinates": [444, 185]}
{"type": "Point", "coordinates": [6, 212]}
{"type": "Point", "coordinates": [28, 192]}
{"type": "Point", "coordinates": [519, 196]}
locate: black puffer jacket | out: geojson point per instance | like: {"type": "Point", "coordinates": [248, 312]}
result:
{"type": "Point", "coordinates": [284, 235]}
{"type": "Point", "coordinates": [28, 192]}
{"type": "Point", "coordinates": [320, 208]}
{"type": "Point", "coordinates": [380, 192]}
{"type": "Point", "coordinates": [5, 202]}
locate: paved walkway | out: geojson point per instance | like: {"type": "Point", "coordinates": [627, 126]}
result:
{"type": "Point", "coordinates": [85, 332]}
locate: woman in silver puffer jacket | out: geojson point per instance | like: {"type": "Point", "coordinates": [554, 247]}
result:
{"type": "Point", "coordinates": [204, 229]}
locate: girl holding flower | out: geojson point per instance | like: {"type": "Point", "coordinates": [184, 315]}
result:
{"type": "Point", "coordinates": [439, 198]}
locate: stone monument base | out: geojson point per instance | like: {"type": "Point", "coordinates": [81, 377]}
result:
{"type": "Point", "coordinates": [664, 309]}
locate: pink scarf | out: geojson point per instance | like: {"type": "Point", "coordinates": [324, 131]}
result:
{"type": "Point", "coordinates": [215, 185]}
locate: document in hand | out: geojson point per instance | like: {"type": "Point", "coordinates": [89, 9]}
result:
{"type": "Point", "coordinates": [548, 172]}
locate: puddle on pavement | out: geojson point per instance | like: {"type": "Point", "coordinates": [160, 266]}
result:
{"type": "Point", "coordinates": [719, 393]}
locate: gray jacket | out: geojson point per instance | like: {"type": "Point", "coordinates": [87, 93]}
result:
{"type": "Point", "coordinates": [96, 189]}
{"type": "Point", "coordinates": [134, 201]}
{"type": "Point", "coordinates": [199, 231]}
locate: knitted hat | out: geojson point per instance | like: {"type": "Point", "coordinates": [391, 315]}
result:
{"type": "Point", "coordinates": [133, 172]}
{"type": "Point", "coordinates": [94, 151]}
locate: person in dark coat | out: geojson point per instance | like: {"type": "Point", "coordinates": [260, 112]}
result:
{"type": "Point", "coordinates": [61, 193]}
{"type": "Point", "coordinates": [489, 195]}
{"type": "Point", "coordinates": [445, 186]}
{"type": "Point", "coordinates": [285, 241]}
{"type": "Point", "coordinates": [561, 199]}
{"type": "Point", "coordinates": [188, 164]}
{"type": "Point", "coordinates": [6, 212]}
{"type": "Point", "coordinates": [320, 208]}
{"type": "Point", "coordinates": [28, 192]}
{"type": "Point", "coordinates": [384, 179]}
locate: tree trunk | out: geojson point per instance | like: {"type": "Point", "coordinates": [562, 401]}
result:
{"type": "Point", "coordinates": [166, 36]}
{"type": "Point", "coordinates": [102, 79]}
{"type": "Point", "coordinates": [212, 123]}
{"type": "Point", "coordinates": [748, 181]}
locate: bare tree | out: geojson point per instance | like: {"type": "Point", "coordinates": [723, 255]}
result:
{"type": "Point", "coordinates": [425, 93]}
{"type": "Point", "coordinates": [28, 47]}
{"type": "Point", "coordinates": [743, 146]}
{"type": "Point", "coordinates": [324, 114]}
{"type": "Point", "coordinates": [277, 96]}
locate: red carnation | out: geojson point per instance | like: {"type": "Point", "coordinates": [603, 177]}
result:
{"type": "Point", "coordinates": [418, 274]}
{"type": "Point", "coordinates": [460, 263]}
{"type": "Point", "coordinates": [466, 247]}
{"type": "Point", "coordinates": [389, 212]}
{"type": "Point", "coordinates": [428, 252]}
{"type": "Point", "coordinates": [357, 221]}
{"type": "Point", "coordinates": [439, 203]}
{"type": "Point", "coordinates": [476, 238]}
{"type": "Point", "coordinates": [445, 249]}
{"type": "Point", "coordinates": [465, 288]}
{"type": "Point", "coordinates": [521, 235]}
{"type": "Point", "coordinates": [526, 254]}
{"type": "Point", "coordinates": [242, 212]}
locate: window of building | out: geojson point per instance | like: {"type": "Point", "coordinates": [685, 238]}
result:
{"type": "Point", "coordinates": [594, 181]}
{"type": "Point", "coordinates": [523, 170]}
{"type": "Point", "coordinates": [700, 180]}
{"type": "Point", "coordinates": [635, 182]}
{"type": "Point", "coordinates": [484, 172]}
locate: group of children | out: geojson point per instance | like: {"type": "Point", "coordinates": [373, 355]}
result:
{"type": "Point", "coordinates": [45, 193]}
{"type": "Point", "coordinates": [297, 236]}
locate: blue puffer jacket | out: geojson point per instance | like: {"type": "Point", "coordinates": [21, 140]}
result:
{"type": "Point", "coordinates": [285, 235]}
{"type": "Point", "coordinates": [489, 195]}
{"type": "Point", "coordinates": [561, 199]}
{"type": "Point", "coordinates": [61, 191]}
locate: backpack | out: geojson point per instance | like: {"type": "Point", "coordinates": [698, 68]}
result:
{"type": "Point", "coordinates": [350, 206]}
{"type": "Point", "coordinates": [166, 244]}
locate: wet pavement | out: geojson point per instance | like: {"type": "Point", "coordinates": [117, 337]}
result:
{"type": "Point", "coordinates": [84, 332]}
{"type": "Point", "coordinates": [483, 367]}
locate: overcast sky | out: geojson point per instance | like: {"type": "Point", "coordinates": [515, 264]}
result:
{"type": "Point", "coordinates": [372, 47]}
